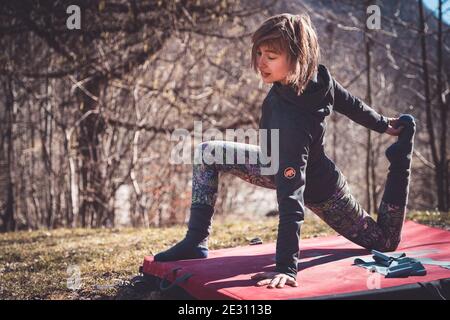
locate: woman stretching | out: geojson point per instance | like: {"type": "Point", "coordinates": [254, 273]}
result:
{"type": "Point", "coordinates": [286, 54]}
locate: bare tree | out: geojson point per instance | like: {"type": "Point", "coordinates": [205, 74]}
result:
{"type": "Point", "coordinates": [78, 86]}
{"type": "Point", "coordinates": [440, 161]}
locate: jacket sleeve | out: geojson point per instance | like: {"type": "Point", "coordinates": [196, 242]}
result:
{"type": "Point", "coordinates": [357, 110]}
{"type": "Point", "coordinates": [290, 182]}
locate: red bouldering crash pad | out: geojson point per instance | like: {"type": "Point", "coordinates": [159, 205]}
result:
{"type": "Point", "coordinates": [325, 269]}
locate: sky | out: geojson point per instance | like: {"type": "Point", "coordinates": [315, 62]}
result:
{"type": "Point", "coordinates": [433, 5]}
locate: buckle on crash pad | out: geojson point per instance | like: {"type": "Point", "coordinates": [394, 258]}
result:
{"type": "Point", "coordinates": [177, 281]}
{"type": "Point", "coordinates": [255, 241]}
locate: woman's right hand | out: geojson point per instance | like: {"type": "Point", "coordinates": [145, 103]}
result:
{"type": "Point", "coordinates": [392, 130]}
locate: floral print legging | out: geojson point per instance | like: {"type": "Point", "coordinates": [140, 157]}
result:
{"type": "Point", "coordinates": [341, 211]}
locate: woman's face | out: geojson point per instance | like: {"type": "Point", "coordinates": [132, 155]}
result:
{"type": "Point", "coordinates": [273, 66]}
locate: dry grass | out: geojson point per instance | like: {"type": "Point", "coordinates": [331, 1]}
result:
{"type": "Point", "coordinates": [33, 265]}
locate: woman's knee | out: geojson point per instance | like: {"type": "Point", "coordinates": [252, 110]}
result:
{"type": "Point", "coordinates": [388, 245]}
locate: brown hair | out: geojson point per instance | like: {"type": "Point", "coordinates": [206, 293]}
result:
{"type": "Point", "coordinates": [295, 35]}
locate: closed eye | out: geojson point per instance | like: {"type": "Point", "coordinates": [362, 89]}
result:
{"type": "Point", "coordinates": [270, 58]}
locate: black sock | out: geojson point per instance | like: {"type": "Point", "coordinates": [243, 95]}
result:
{"type": "Point", "coordinates": [399, 155]}
{"type": "Point", "coordinates": [195, 243]}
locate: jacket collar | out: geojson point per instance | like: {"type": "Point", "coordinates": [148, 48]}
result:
{"type": "Point", "coordinates": [314, 96]}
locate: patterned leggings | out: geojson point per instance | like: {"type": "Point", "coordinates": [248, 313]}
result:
{"type": "Point", "coordinates": [341, 211]}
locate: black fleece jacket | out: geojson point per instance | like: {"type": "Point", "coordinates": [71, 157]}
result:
{"type": "Point", "coordinates": [306, 174]}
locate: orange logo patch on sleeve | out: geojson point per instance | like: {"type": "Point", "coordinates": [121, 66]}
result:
{"type": "Point", "coordinates": [289, 172]}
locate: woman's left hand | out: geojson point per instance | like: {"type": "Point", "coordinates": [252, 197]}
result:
{"type": "Point", "coordinates": [274, 279]}
{"type": "Point", "coordinates": [391, 130]}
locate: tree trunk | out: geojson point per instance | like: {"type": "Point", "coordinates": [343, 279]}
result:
{"type": "Point", "coordinates": [443, 204]}
{"type": "Point", "coordinates": [93, 204]}
{"type": "Point", "coordinates": [333, 118]}
{"type": "Point", "coordinates": [440, 170]}
{"type": "Point", "coordinates": [370, 175]}
{"type": "Point", "coordinates": [7, 178]}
